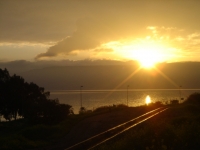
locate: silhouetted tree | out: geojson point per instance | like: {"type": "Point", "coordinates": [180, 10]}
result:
{"type": "Point", "coordinates": [16, 92]}
{"type": "Point", "coordinates": [194, 99]}
{"type": "Point", "coordinates": [82, 110]}
{"type": "Point", "coordinates": [4, 78]}
{"type": "Point", "coordinates": [28, 100]}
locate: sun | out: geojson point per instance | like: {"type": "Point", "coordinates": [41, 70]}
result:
{"type": "Point", "coordinates": [147, 52]}
{"type": "Point", "coordinates": [146, 59]}
{"type": "Point", "coordinates": [148, 55]}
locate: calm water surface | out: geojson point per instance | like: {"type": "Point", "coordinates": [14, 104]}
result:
{"type": "Point", "coordinates": [92, 99]}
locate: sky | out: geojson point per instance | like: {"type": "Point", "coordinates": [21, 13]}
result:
{"type": "Point", "coordinates": [159, 30]}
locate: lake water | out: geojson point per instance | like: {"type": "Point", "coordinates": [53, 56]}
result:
{"type": "Point", "coordinates": [92, 99]}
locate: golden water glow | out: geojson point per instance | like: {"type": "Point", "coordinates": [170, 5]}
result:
{"type": "Point", "coordinates": [148, 99]}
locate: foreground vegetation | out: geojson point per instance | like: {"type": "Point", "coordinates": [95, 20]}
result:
{"type": "Point", "coordinates": [23, 134]}
{"type": "Point", "coordinates": [178, 128]}
{"type": "Point", "coordinates": [40, 116]}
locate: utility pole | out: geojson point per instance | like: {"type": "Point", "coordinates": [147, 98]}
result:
{"type": "Point", "coordinates": [81, 95]}
{"type": "Point", "coordinates": [180, 91]}
{"type": "Point", "coordinates": [127, 94]}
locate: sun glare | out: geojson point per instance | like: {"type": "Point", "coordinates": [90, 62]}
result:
{"type": "Point", "coordinates": [148, 52]}
{"type": "Point", "coordinates": [148, 100]}
{"type": "Point", "coordinates": [148, 55]}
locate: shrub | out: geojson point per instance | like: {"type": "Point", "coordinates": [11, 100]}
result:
{"type": "Point", "coordinates": [174, 102]}
{"type": "Point", "coordinates": [193, 98]}
{"type": "Point", "coordinates": [82, 110]}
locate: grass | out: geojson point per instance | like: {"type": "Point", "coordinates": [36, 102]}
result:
{"type": "Point", "coordinates": [21, 134]}
{"type": "Point", "coordinates": [177, 128]}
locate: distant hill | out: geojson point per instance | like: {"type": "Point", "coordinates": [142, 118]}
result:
{"type": "Point", "coordinates": [168, 75]}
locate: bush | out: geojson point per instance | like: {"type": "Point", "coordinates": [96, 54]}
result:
{"type": "Point", "coordinates": [193, 99]}
{"type": "Point", "coordinates": [174, 102]}
{"type": "Point", "coordinates": [110, 108]}
{"type": "Point", "coordinates": [82, 110]}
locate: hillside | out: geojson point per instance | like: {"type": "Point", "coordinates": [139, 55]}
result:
{"type": "Point", "coordinates": [66, 75]}
{"type": "Point", "coordinates": [110, 76]}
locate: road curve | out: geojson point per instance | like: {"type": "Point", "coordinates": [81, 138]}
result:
{"type": "Point", "coordinates": [98, 139]}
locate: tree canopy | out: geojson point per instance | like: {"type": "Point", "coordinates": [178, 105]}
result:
{"type": "Point", "coordinates": [194, 99]}
{"type": "Point", "coordinates": [21, 99]}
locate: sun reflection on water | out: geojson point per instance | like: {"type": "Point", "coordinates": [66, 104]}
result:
{"type": "Point", "coordinates": [148, 100]}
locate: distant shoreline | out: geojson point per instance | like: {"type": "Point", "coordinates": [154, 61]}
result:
{"type": "Point", "coordinates": [118, 90]}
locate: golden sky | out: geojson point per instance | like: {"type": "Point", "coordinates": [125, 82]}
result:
{"type": "Point", "coordinates": [160, 30]}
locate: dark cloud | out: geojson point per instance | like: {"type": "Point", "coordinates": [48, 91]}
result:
{"type": "Point", "coordinates": [89, 35]}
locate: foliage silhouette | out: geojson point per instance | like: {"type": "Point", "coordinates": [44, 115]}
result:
{"type": "Point", "coordinates": [28, 100]}
{"type": "Point", "coordinates": [82, 110]}
{"type": "Point", "coordinates": [194, 98]}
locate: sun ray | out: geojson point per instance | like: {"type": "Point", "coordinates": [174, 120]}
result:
{"type": "Point", "coordinates": [166, 77]}
{"type": "Point", "coordinates": [138, 69]}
